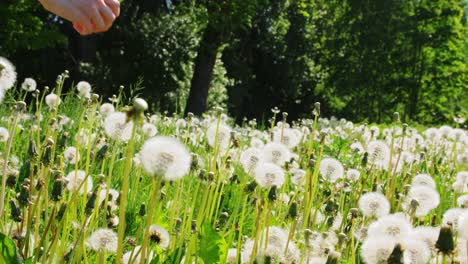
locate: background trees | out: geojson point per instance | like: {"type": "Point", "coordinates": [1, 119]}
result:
{"type": "Point", "coordinates": [361, 59]}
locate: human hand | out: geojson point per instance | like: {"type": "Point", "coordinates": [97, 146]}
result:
{"type": "Point", "coordinates": [87, 16]}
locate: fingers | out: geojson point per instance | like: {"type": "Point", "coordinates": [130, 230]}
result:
{"type": "Point", "coordinates": [114, 5]}
{"type": "Point", "coordinates": [98, 20]}
{"type": "Point", "coordinates": [108, 16]}
{"type": "Point", "coordinates": [81, 23]}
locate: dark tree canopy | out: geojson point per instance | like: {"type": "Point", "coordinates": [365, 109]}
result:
{"type": "Point", "coordinates": [363, 60]}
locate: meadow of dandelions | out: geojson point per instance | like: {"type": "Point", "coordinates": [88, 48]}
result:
{"type": "Point", "coordinates": [86, 179]}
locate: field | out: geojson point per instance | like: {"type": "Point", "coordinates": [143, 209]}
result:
{"type": "Point", "coordinates": [95, 180]}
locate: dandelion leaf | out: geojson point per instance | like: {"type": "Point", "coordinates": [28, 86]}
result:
{"type": "Point", "coordinates": [212, 247]}
{"type": "Point", "coordinates": [8, 251]}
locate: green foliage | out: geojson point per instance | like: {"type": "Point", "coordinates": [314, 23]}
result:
{"type": "Point", "coordinates": [8, 251]}
{"type": "Point", "coordinates": [212, 248]}
{"type": "Point", "coordinates": [363, 60]}
{"type": "Point", "coordinates": [22, 27]}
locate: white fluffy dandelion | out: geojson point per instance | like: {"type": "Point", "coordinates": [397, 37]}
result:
{"type": "Point", "coordinates": [428, 234]}
{"type": "Point", "coordinates": [134, 256]}
{"type": "Point", "coordinates": [374, 204]}
{"type": "Point", "coordinates": [427, 199]}
{"type": "Point", "coordinates": [423, 180]}
{"type": "Point", "coordinates": [165, 157]}
{"type": "Point", "coordinates": [4, 134]}
{"type": "Point", "coordinates": [287, 137]}
{"type": "Point", "coordinates": [463, 225]}
{"type": "Point", "coordinates": [331, 169]}
{"type": "Point", "coordinates": [118, 127]}
{"type": "Point", "coordinates": [52, 100]}
{"type": "Point", "coordinates": [76, 178]}
{"type": "Point", "coordinates": [159, 235]}
{"type": "Point", "coordinates": [353, 174]}
{"type": "Point", "coordinates": [251, 158]}
{"type": "Point", "coordinates": [71, 155]}
{"type": "Point", "coordinates": [268, 175]}
{"type": "Point", "coordinates": [379, 153]}
{"type": "Point", "coordinates": [106, 109]}
{"type": "Point", "coordinates": [376, 250]}
{"type": "Point", "coordinates": [29, 85]}
{"type": "Point", "coordinates": [452, 216]}
{"type": "Point", "coordinates": [297, 176]}
{"type": "Point", "coordinates": [7, 74]}
{"type": "Point", "coordinates": [219, 136]}
{"type": "Point", "coordinates": [415, 251]}
{"type": "Point", "coordinates": [149, 129]}
{"type": "Point", "coordinates": [276, 153]}
{"type": "Point", "coordinates": [103, 240]}
{"type": "Point", "coordinates": [84, 89]}
{"type": "Point", "coordinates": [394, 226]}
{"type": "Point", "coordinates": [462, 201]}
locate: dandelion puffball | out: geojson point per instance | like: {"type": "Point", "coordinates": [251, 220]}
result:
{"type": "Point", "coordinates": [268, 175]}
{"type": "Point", "coordinates": [276, 153]}
{"type": "Point", "coordinates": [103, 240]}
{"type": "Point", "coordinates": [52, 100]}
{"type": "Point", "coordinates": [250, 158]}
{"type": "Point", "coordinates": [76, 178]}
{"type": "Point", "coordinates": [84, 89]}
{"type": "Point", "coordinates": [165, 157]}
{"type": "Point", "coordinates": [219, 136]}
{"type": "Point", "coordinates": [7, 75]}
{"type": "Point", "coordinates": [374, 204]}
{"type": "Point", "coordinates": [29, 85]}
{"type": "Point", "coordinates": [331, 169]}
{"type": "Point", "coordinates": [118, 127]}
{"type": "Point", "coordinates": [426, 198]}
{"type": "Point", "coordinates": [4, 134]}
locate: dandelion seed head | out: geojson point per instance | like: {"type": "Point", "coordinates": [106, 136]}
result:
{"type": "Point", "coordinates": [221, 139]}
{"type": "Point", "coordinates": [106, 109]}
{"type": "Point", "coordinates": [75, 179]}
{"type": "Point", "coordinates": [415, 251]}
{"type": "Point", "coordinates": [353, 174]}
{"type": "Point", "coordinates": [394, 226]}
{"type": "Point", "coordinates": [286, 136]}
{"type": "Point", "coordinates": [268, 175]}
{"type": "Point", "coordinates": [149, 129]}
{"type": "Point", "coordinates": [7, 74]}
{"type": "Point", "coordinates": [4, 134]}
{"type": "Point", "coordinates": [134, 256]}
{"type": "Point", "coordinates": [276, 153]}
{"type": "Point", "coordinates": [379, 153]}
{"type": "Point", "coordinates": [452, 215]}
{"type": "Point", "coordinates": [463, 225]}
{"type": "Point", "coordinates": [165, 157]}
{"type": "Point", "coordinates": [297, 176]}
{"type": "Point", "coordinates": [427, 199]}
{"type": "Point", "coordinates": [428, 234]}
{"type": "Point", "coordinates": [84, 89]}
{"type": "Point", "coordinates": [118, 127]}
{"type": "Point", "coordinates": [103, 240]}
{"type": "Point", "coordinates": [52, 100]}
{"type": "Point", "coordinates": [29, 85]}
{"type": "Point", "coordinates": [71, 155]}
{"type": "Point", "coordinates": [377, 249]}
{"type": "Point", "coordinates": [331, 169]}
{"type": "Point", "coordinates": [357, 147]}
{"type": "Point", "coordinates": [374, 204]}
{"type": "Point", "coordinates": [159, 235]}
{"type": "Point", "coordinates": [251, 158]}
{"type": "Point", "coordinates": [462, 201]}
{"type": "Point", "coordinates": [423, 180]}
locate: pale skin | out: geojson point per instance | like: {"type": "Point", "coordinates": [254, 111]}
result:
{"type": "Point", "coordinates": [87, 16]}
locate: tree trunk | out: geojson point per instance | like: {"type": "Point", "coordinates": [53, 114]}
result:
{"type": "Point", "coordinates": [203, 71]}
